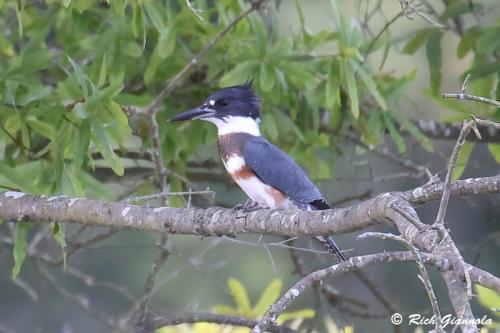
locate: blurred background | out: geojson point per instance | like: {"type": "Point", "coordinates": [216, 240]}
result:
{"type": "Point", "coordinates": [348, 88]}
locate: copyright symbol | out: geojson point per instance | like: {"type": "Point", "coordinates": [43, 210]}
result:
{"type": "Point", "coordinates": [396, 319]}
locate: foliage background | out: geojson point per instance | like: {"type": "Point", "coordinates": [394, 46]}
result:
{"type": "Point", "coordinates": [76, 76]}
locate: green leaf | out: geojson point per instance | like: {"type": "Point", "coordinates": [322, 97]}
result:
{"type": "Point", "coordinates": [20, 246]}
{"type": "Point", "coordinates": [370, 85]}
{"type": "Point", "coordinates": [240, 295]}
{"type": "Point", "coordinates": [352, 89]}
{"type": "Point", "coordinates": [166, 44]}
{"type": "Point", "coordinates": [322, 170]}
{"type": "Point", "coordinates": [103, 95]}
{"type": "Point", "coordinates": [286, 123]}
{"type": "Point", "coordinates": [413, 130]}
{"type": "Point", "coordinates": [80, 77]}
{"type": "Point", "coordinates": [240, 73]}
{"type": "Point", "coordinates": [41, 127]}
{"type": "Point", "coordinates": [59, 234]}
{"type": "Point", "coordinates": [119, 6]}
{"type": "Point", "coordinates": [268, 297]}
{"type": "Point", "coordinates": [462, 159]}
{"type": "Point", "coordinates": [131, 48]}
{"type": "Point", "coordinates": [482, 69]}
{"type": "Point", "coordinates": [102, 72]}
{"type": "Point", "coordinates": [339, 20]}
{"type": "Point", "coordinates": [468, 41]}
{"type": "Point", "coordinates": [118, 114]}
{"type": "Point", "coordinates": [81, 111]}
{"type": "Point", "coordinates": [150, 71]}
{"type": "Point", "coordinates": [352, 52]}
{"type": "Point", "coordinates": [83, 143]}
{"type": "Point", "coordinates": [269, 126]}
{"type": "Point", "coordinates": [267, 77]}
{"type": "Point", "coordinates": [495, 151]}
{"type": "Point", "coordinates": [259, 33]}
{"type": "Point", "coordinates": [489, 41]}
{"type": "Point", "coordinates": [482, 87]}
{"type": "Point", "coordinates": [435, 61]}
{"type": "Point", "coordinates": [58, 231]}
{"type": "Point", "coordinates": [300, 314]}
{"type": "Point", "coordinates": [300, 12]}
{"type": "Point", "coordinates": [416, 42]}
{"type": "Point", "coordinates": [394, 133]}
{"type": "Point", "coordinates": [17, 179]}
{"type": "Point", "coordinates": [137, 20]}
{"type": "Point", "coordinates": [155, 17]}
{"type": "Point", "coordinates": [457, 8]}
{"type": "Point", "coordinates": [488, 298]}
{"type": "Point", "coordinates": [332, 89]}
{"type": "Point", "coordinates": [104, 145]}
{"type": "Point", "coordinates": [25, 134]}
{"type": "Point", "coordinates": [66, 3]}
{"type": "Point", "coordinates": [354, 36]}
{"type": "Point", "coordinates": [19, 20]}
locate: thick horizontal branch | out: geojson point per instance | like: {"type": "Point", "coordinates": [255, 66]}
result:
{"type": "Point", "coordinates": [432, 192]}
{"type": "Point", "coordinates": [217, 221]}
{"type": "Point", "coordinates": [17, 206]}
{"type": "Point", "coordinates": [450, 131]}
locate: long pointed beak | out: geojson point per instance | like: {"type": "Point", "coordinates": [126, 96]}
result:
{"type": "Point", "coordinates": [196, 113]}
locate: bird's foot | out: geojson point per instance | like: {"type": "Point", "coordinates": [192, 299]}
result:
{"type": "Point", "coordinates": [249, 207]}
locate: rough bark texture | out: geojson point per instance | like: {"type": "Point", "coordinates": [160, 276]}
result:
{"type": "Point", "coordinates": [218, 221]}
{"type": "Point", "coordinates": [391, 208]}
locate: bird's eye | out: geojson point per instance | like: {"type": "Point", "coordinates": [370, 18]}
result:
{"type": "Point", "coordinates": [221, 102]}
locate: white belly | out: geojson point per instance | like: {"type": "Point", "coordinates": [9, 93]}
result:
{"type": "Point", "coordinates": [255, 188]}
{"type": "Point", "coordinates": [257, 191]}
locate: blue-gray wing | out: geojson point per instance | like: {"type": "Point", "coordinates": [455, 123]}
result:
{"type": "Point", "coordinates": [279, 170]}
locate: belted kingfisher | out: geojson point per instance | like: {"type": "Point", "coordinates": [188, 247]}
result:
{"type": "Point", "coordinates": [267, 175]}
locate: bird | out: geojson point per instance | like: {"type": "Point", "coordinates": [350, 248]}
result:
{"type": "Point", "coordinates": [267, 175]}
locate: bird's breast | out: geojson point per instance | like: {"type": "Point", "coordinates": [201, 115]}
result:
{"type": "Point", "coordinates": [231, 152]}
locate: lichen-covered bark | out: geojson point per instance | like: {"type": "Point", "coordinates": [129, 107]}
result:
{"type": "Point", "coordinates": [392, 208]}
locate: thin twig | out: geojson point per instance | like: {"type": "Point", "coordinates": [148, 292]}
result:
{"type": "Point", "coordinates": [352, 264]}
{"type": "Point", "coordinates": [443, 205]}
{"type": "Point", "coordinates": [200, 317]}
{"type": "Point", "coordinates": [418, 169]}
{"type": "Point", "coordinates": [384, 28]}
{"type": "Point", "coordinates": [167, 194]}
{"type": "Point", "coordinates": [466, 128]}
{"type": "Point", "coordinates": [408, 9]}
{"type": "Point", "coordinates": [424, 277]}
{"type": "Point", "coordinates": [82, 301]}
{"type": "Point", "coordinates": [91, 281]}
{"type": "Point", "coordinates": [462, 95]}
{"type": "Point", "coordinates": [142, 306]}
{"type": "Point", "coordinates": [27, 288]}
{"type": "Point", "coordinates": [196, 12]}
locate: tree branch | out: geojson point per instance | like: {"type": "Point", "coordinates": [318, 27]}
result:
{"type": "Point", "coordinates": [392, 208]}
{"type": "Point", "coordinates": [424, 277]}
{"type": "Point", "coordinates": [205, 317]}
{"type": "Point", "coordinates": [217, 221]}
{"type": "Point", "coordinates": [350, 265]}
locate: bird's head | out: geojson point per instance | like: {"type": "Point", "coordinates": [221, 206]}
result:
{"type": "Point", "coordinates": [232, 109]}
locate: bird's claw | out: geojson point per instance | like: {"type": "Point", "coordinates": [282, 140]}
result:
{"type": "Point", "coordinates": [248, 207]}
